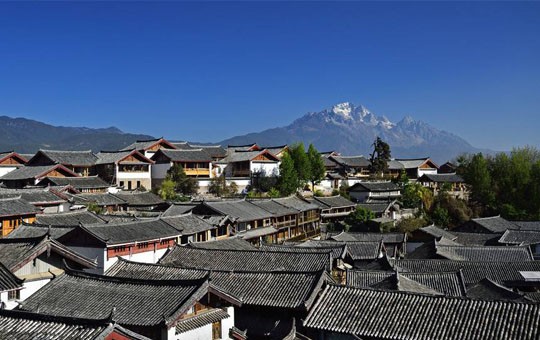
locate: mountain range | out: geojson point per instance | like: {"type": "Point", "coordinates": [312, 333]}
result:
{"type": "Point", "coordinates": [27, 136]}
{"type": "Point", "coordinates": [351, 130]}
{"type": "Point", "coordinates": [346, 128]}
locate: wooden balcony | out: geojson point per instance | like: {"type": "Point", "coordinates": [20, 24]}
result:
{"type": "Point", "coordinates": [201, 172]}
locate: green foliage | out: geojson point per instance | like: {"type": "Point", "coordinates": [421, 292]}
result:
{"type": "Point", "coordinates": [93, 207]}
{"type": "Point", "coordinates": [218, 186]}
{"type": "Point", "coordinates": [262, 181]}
{"type": "Point", "coordinates": [408, 225]}
{"type": "Point", "coordinates": [317, 168]}
{"type": "Point", "coordinates": [288, 179]}
{"type": "Point", "coordinates": [457, 209]}
{"type": "Point", "coordinates": [506, 184]}
{"type": "Point", "coordinates": [440, 216]}
{"type": "Point", "coordinates": [380, 157]}
{"type": "Point", "coordinates": [301, 163]}
{"type": "Point", "coordinates": [182, 183]}
{"type": "Point", "coordinates": [319, 193]}
{"type": "Point", "coordinates": [344, 189]}
{"type": "Point", "coordinates": [167, 190]}
{"type": "Point", "coordinates": [358, 219]}
{"type": "Point", "coordinates": [414, 195]}
{"type": "Point", "coordinates": [273, 193]}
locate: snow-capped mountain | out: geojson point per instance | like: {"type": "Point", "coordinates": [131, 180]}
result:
{"type": "Point", "coordinates": [351, 130]}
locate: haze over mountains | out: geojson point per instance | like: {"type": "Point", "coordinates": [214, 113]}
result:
{"type": "Point", "coordinates": [345, 127]}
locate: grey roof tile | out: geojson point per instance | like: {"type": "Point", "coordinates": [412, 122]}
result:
{"type": "Point", "coordinates": [218, 259]}
{"type": "Point", "coordinates": [15, 206]}
{"type": "Point", "coordinates": [79, 183]}
{"type": "Point", "coordinates": [241, 210]}
{"type": "Point", "coordinates": [188, 224]}
{"type": "Point", "coordinates": [136, 198]}
{"type": "Point", "coordinates": [137, 302]}
{"type": "Point", "coordinates": [135, 231]}
{"type": "Point", "coordinates": [357, 311]}
{"type": "Point", "coordinates": [76, 158]}
{"type": "Point", "coordinates": [8, 280]}
{"type": "Point", "coordinates": [72, 218]}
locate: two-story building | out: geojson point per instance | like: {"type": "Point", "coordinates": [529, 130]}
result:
{"type": "Point", "coordinates": [128, 169]}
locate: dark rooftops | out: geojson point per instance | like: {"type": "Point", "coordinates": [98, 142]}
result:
{"type": "Point", "coordinates": [8, 281]}
{"type": "Point", "coordinates": [214, 259]}
{"type": "Point", "coordinates": [72, 218]}
{"type": "Point", "coordinates": [185, 155]}
{"type": "Point", "coordinates": [21, 325]}
{"type": "Point", "coordinates": [15, 206]}
{"type": "Point", "coordinates": [358, 312]}
{"type": "Point", "coordinates": [374, 187]}
{"type": "Point", "coordinates": [441, 178]}
{"type": "Point", "coordinates": [493, 224]}
{"type": "Point", "coordinates": [137, 302]}
{"type": "Point", "coordinates": [35, 172]}
{"type": "Point", "coordinates": [134, 231]}
{"type": "Point", "coordinates": [74, 158]}
{"type": "Point", "coordinates": [139, 199]}
{"type": "Point", "coordinates": [35, 196]}
{"type": "Point", "coordinates": [337, 201]}
{"type": "Point", "coordinates": [241, 210]}
{"type": "Point", "coordinates": [188, 224]}
{"type": "Point", "coordinates": [79, 183]}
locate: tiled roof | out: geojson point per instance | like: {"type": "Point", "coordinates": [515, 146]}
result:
{"type": "Point", "coordinates": [144, 144]}
{"type": "Point", "coordinates": [280, 289]}
{"type": "Point", "coordinates": [492, 291]}
{"type": "Point", "coordinates": [215, 151]}
{"type": "Point", "coordinates": [376, 207]}
{"type": "Point", "coordinates": [149, 271]}
{"type": "Point", "coordinates": [135, 231]}
{"type": "Point", "coordinates": [374, 187]}
{"type": "Point", "coordinates": [8, 281]}
{"type": "Point", "coordinates": [14, 253]}
{"type": "Point", "coordinates": [297, 203]}
{"type": "Point", "coordinates": [108, 157]}
{"type": "Point", "coordinates": [135, 198]}
{"type": "Point", "coordinates": [21, 325]}
{"type": "Point", "coordinates": [245, 156]}
{"type": "Point", "coordinates": [200, 320]}
{"type": "Point", "coordinates": [338, 250]}
{"type": "Point", "coordinates": [39, 230]}
{"type": "Point", "coordinates": [473, 272]}
{"type": "Point", "coordinates": [484, 253]}
{"type": "Point", "coordinates": [441, 178]}
{"type": "Point", "coordinates": [359, 250]}
{"type": "Point", "coordinates": [411, 163]}
{"type": "Point", "coordinates": [525, 237]}
{"type": "Point", "coordinates": [188, 224]}
{"type": "Point", "coordinates": [90, 182]}
{"type": "Point", "coordinates": [241, 210]}
{"type": "Point", "coordinates": [352, 161]}
{"type": "Point", "coordinates": [274, 208]}
{"type": "Point", "coordinates": [447, 283]}
{"type": "Point", "coordinates": [36, 196]}
{"type": "Point", "coordinates": [81, 158]}
{"type": "Point", "coordinates": [177, 209]}
{"type": "Point", "coordinates": [358, 312]}
{"type": "Point", "coordinates": [9, 154]}
{"type": "Point", "coordinates": [187, 155]}
{"type": "Point", "coordinates": [476, 239]}
{"type": "Point", "coordinates": [137, 302]}
{"type": "Point", "coordinates": [294, 290]}
{"type": "Point", "coordinates": [103, 199]}
{"type": "Point", "coordinates": [438, 232]}
{"type": "Point", "coordinates": [216, 259]}
{"type": "Point", "coordinates": [72, 218]}
{"type": "Point", "coordinates": [14, 206]}
{"type": "Point", "coordinates": [395, 165]}
{"type": "Point", "coordinates": [334, 201]}
{"type": "Point", "coordinates": [29, 172]}
{"type": "Point", "coordinates": [494, 224]}
{"type": "Point", "coordinates": [357, 236]}
{"type": "Point", "coordinates": [528, 225]}
{"type": "Point", "coordinates": [230, 243]}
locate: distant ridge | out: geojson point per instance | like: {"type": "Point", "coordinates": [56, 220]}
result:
{"type": "Point", "coordinates": [351, 130]}
{"type": "Point", "coordinates": [27, 136]}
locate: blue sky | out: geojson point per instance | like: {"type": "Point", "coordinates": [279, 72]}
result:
{"type": "Point", "coordinates": [212, 70]}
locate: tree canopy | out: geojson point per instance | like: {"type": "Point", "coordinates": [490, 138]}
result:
{"type": "Point", "coordinates": [380, 157]}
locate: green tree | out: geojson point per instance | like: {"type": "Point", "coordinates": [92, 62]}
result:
{"type": "Point", "coordinates": [408, 225]}
{"type": "Point", "coordinates": [167, 190]}
{"type": "Point", "coordinates": [475, 172]}
{"type": "Point", "coordinates": [301, 164]}
{"type": "Point", "coordinates": [218, 186]}
{"type": "Point", "coordinates": [380, 157]}
{"type": "Point", "coordinates": [344, 189]}
{"type": "Point", "coordinates": [414, 195]}
{"type": "Point", "coordinates": [440, 216]}
{"type": "Point", "coordinates": [183, 183]}
{"type": "Point", "coordinates": [358, 219]}
{"type": "Point", "coordinates": [318, 170]}
{"type": "Point", "coordinates": [288, 179]}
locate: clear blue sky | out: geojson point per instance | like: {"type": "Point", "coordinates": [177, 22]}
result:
{"type": "Point", "coordinates": [212, 70]}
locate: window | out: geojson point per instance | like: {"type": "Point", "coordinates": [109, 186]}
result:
{"type": "Point", "coordinates": [138, 184]}
{"type": "Point", "coordinates": [121, 183]}
{"type": "Point", "coordinates": [14, 295]}
{"type": "Point", "coordinates": [129, 185]}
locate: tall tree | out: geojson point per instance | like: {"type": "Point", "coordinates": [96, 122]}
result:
{"type": "Point", "coordinates": [288, 179]}
{"type": "Point", "coordinates": [318, 170]}
{"type": "Point", "coordinates": [476, 173]}
{"type": "Point", "coordinates": [183, 183]}
{"type": "Point", "coordinates": [380, 157]}
{"type": "Point", "coordinates": [301, 163]}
